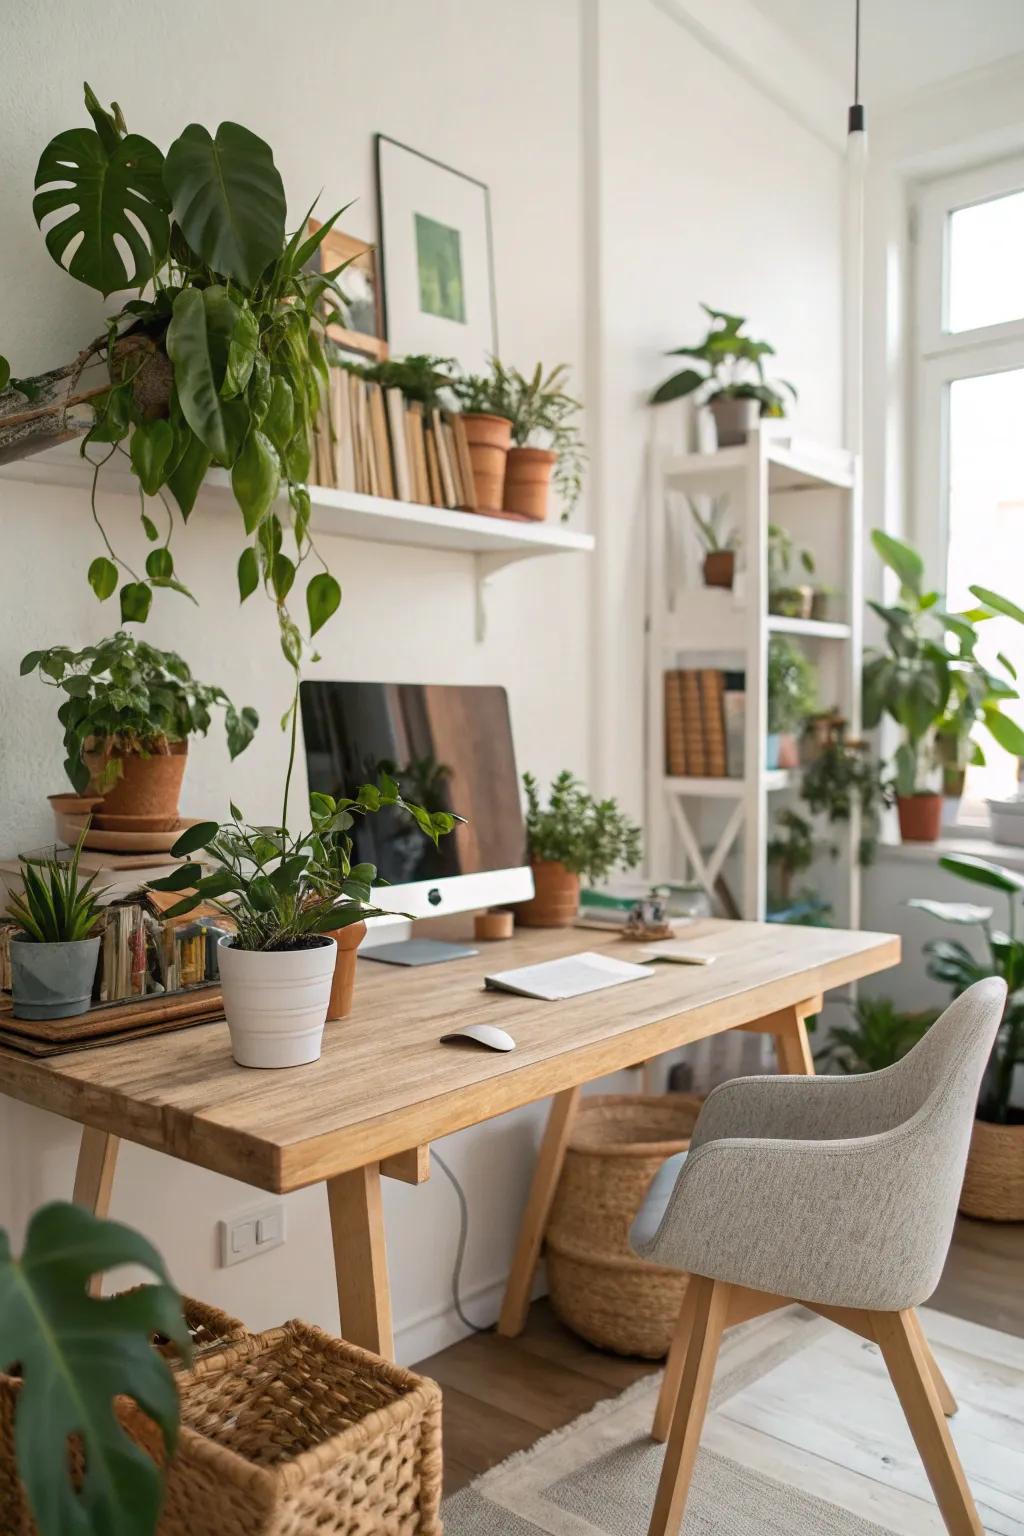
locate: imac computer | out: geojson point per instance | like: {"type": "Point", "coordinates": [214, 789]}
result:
{"type": "Point", "coordinates": [450, 749]}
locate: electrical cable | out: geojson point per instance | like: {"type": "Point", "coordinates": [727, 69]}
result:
{"type": "Point", "coordinates": [460, 1251]}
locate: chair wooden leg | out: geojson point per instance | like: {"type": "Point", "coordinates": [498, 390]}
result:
{"type": "Point", "coordinates": [710, 1309]}
{"type": "Point", "coordinates": [674, 1362]}
{"type": "Point", "coordinates": [94, 1179]}
{"type": "Point", "coordinates": [516, 1303]}
{"type": "Point", "coordinates": [902, 1345]}
{"type": "Point", "coordinates": [946, 1398]}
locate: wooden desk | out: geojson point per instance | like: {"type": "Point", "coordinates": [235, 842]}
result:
{"type": "Point", "coordinates": [385, 1088]}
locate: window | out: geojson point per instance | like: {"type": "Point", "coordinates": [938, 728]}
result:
{"type": "Point", "coordinates": [969, 415]}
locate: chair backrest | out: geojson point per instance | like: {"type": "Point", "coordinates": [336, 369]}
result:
{"type": "Point", "coordinates": [950, 1059]}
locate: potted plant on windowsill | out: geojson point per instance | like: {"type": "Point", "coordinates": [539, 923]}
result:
{"type": "Point", "coordinates": [718, 542]}
{"type": "Point", "coordinates": [791, 697]}
{"type": "Point", "coordinates": [289, 897]}
{"type": "Point", "coordinates": [56, 949]}
{"type": "Point", "coordinates": [785, 597]}
{"type": "Point", "coordinates": [929, 674]}
{"type": "Point", "coordinates": [994, 1183]}
{"type": "Point", "coordinates": [128, 711]}
{"type": "Point", "coordinates": [733, 385]}
{"type": "Point", "coordinates": [574, 835]}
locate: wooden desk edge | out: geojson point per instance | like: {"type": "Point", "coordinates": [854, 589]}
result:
{"type": "Point", "coordinates": [285, 1168]}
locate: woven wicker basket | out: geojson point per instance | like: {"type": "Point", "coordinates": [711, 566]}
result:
{"type": "Point", "coordinates": [599, 1288]}
{"type": "Point", "coordinates": [209, 1329]}
{"type": "Point", "coordinates": [994, 1182]}
{"type": "Point", "coordinates": [292, 1431]}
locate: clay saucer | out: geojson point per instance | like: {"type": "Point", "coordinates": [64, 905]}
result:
{"type": "Point", "coordinates": [127, 842]}
{"type": "Point", "coordinates": [102, 821]}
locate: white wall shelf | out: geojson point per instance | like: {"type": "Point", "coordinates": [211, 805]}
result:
{"type": "Point", "coordinates": [493, 542]}
{"type": "Point", "coordinates": [815, 493]}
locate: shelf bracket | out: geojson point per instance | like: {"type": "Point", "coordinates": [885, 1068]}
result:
{"type": "Point", "coordinates": [484, 567]}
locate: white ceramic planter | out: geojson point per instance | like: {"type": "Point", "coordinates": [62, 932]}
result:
{"type": "Point", "coordinates": [275, 1002]}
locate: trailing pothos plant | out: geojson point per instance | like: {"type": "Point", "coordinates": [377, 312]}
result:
{"type": "Point", "coordinates": [218, 359]}
{"type": "Point", "coordinates": [122, 696]}
{"type": "Point", "coordinates": [282, 890]}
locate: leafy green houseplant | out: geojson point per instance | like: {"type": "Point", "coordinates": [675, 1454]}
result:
{"type": "Point", "coordinates": [67, 1358]}
{"type": "Point", "coordinates": [718, 540]}
{"type": "Point", "coordinates": [792, 599]}
{"type": "Point", "coordinates": [128, 710]}
{"type": "Point", "coordinates": [543, 441]}
{"type": "Point", "coordinates": [844, 776]}
{"type": "Point", "coordinates": [993, 1186]}
{"type": "Point", "coordinates": [55, 951]}
{"type": "Point", "coordinates": [790, 852]}
{"type": "Point", "coordinates": [791, 695]}
{"type": "Point", "coordinates": [879, 1036]}
{"type": "Point", "coordinates": [729, 378]}
{"type": "Point", "coordinates": [217, 359]}
{"type": "Point", "coordinates": [573, 835]}
{"type": "Point", "coordinates": [286, 896]}
{"type": "Point", "coordinates": [419, 376]}
{"type": "Point", "coordinates": [928, 674]}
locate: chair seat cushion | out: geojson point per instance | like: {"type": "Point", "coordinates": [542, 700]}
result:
{"type": "Point", "coordinates": [648, 1218]}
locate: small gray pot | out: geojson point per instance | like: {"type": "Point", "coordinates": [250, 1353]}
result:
{"type": "Point", "coordinates": [734, 419]}
{"type": "Point", "coordinates": [52, 981]}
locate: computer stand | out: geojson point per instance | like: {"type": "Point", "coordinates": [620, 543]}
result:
{"type": "Point", "coordinates": [417, 952]}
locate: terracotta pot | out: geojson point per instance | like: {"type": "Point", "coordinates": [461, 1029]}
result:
{"type": "Point", "coordinates": [994, 1182]}
{"type": "Point", "coordinates": [557, 898]}
{"type": "Point", "coordinates": [920, 817]}
{"type": "Point", "coordinates": [148, 786]}
{"type": "Point", "coordinates": [789, 750]}
{"type": "Point", "coordinates": [528, 481]}
{"type": "Point", "coordinates": [348, 941]}
{"type": "Point", "coordinates": [734, 419]}
{"type": "Point", "coordinates": [488, 438]}
{"type": "Point", "coordinates": [719, 567]}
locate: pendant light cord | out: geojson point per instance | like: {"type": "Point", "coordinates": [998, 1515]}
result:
{"type": "Point", "coordinates": [855, 117]}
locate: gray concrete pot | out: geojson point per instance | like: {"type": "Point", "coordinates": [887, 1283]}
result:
{"type": "Point", "coordinates": [52, 981]}
{"type": "Point", "coordinates": [734, 419]}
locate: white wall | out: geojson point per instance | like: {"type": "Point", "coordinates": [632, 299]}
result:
{"type": "Point", "coordinates": [698, 186]}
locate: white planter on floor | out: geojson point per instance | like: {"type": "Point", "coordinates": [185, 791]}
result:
{"type": "Point", "coordinates": [275, 1002]}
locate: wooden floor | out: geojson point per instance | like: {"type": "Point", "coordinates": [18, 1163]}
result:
{"type": "Point", "coordinates": [500, 1395]}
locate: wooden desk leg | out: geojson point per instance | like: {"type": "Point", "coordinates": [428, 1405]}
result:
{"type": "Point", "coordinates": [94, 1179]}
{"type": "Point", "coordinates": [360, 1259]}
{"type": "Point", "coordinates": [535, 1218]}
{"type": "Point", "coordinates": [792, 1047]}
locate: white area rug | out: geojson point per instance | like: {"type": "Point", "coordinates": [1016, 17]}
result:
{"type": "Point", "coordinates": [805, 1437]}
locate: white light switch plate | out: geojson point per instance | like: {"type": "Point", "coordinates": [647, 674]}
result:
{"type": "Point", "coordinates": [251, 1232]}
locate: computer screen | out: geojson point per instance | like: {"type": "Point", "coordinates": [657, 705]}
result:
{"type": "Point", "coordinates": [450, 748]}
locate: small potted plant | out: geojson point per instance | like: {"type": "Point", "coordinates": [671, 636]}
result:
{"type": "Point", "coordinates": [574, 835]}
{"type": "Point", "coordinates": [843, 774]}
{"type": "Point", "coordinates": [128, 710]}
{"type": "Point", "coordinates": [791, 693]}
{"type": "Point", "coordinates": [733, 384]}
{"type": "Point", "coordinates": [288, 896]}
{"type": "Point", "coordinates": [546, 443]}
{"type": "Point", "coordinates": [928, 662]}
{"type": "Point", "coordinates": [790, 852]}
{"type": "Point", "coordinates": [485, 401]}
{"type": "Point", "coordinates": [718, 542]}
{"type": "Point", "coordinates": [994, 1183]}
{"type": "Point", "coordinates": [785, 597]}
{"type": "Point", "coordinates": [881, 1034]}
{"type": "Point", "coordinates": [56, 949]}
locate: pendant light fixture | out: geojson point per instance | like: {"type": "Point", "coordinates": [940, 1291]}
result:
{"type": "Point", "coordinates": [856, 166]}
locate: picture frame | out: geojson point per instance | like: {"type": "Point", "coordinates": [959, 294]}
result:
{"type": "Point", "coordinates": [437, 257]}
{"type": "Point", "coordinates": [360, 282]}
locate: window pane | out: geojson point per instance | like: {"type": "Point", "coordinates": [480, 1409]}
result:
{"type": "Point", "coordinates": [986, 535]}
{"type": "Point", "coordinates": [986, 263]}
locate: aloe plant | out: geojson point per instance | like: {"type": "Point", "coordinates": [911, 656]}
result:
{"type": "Point", "coordinates": [75, 1355]}
{"type": "Point", "coordinates": [55, 908]}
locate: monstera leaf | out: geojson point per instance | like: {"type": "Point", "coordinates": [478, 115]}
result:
{"type": "Point", "coordinates": [75, 1354]}
{"type": "Point", "coordinates": [228, 199]}
{"type": "Point", "coordinates": [106, 183]}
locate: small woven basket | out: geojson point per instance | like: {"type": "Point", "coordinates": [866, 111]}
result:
{"type": "Point", "coordinates": [209, 1330]}
{"type": "Point", "coordinates": [292, 1431]}
{"type": "Point", "coordinates": [994, 1182]}
{"type": "Point", "coordinates": [599, 1288]}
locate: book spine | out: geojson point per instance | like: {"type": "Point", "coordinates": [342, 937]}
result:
{"type": "Point", "coordinates": [447, 480]}
{"type": "Point", "coordinates": [693, 726]}
{"type": "Point", "coordinates": [675, 734]}
{"type": "Point", "coordinates": [712, 687]}
{"type": "Point", "coordinates": [465, 464]}
{"type": "Point", "coordinates": [734, 705]}
{"type": "Point", "coordinates": [436, 491]}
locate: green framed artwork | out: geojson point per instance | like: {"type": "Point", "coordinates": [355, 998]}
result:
{"type": "Point", "coordinates": [436, 255]}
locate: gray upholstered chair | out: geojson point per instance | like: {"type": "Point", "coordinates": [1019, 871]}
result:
{"type": "Point", "coordinates": [840, 1193]}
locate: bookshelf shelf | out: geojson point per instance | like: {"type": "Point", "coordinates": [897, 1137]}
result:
{"type": "Point", "coordinates": [493, 542]}
{"type": "Point", "coordinates": [707, 659]}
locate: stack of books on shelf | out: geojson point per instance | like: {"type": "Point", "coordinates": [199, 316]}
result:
{"type": "Point", "coordinates": [373, 440]}
{"type": "Point", "coordinates": [704, 710]}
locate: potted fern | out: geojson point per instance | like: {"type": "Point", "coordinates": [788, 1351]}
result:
{"type": "Point", "coordinates": [55, 951]}
{"type": "Point", "coordinates": [573, 835]}
{"type": "Point", "coordinates": [730, 378]}
{"type": "Point", "coordinates": [546, 443]}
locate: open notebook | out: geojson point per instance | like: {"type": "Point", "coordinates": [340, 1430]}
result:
{"type": "Point", "coordinates": [570, 977]}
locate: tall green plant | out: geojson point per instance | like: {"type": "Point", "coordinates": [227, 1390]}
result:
{"type": "Point", "coordinates": [590, 837]}
{"type": "Point", "coordinates": [733, 368]}
{"type": "Point", "coordinates": [951, 962]}
{"type": "Point", "coordinates": [929, 675]}
{"type": "Point", "coordinates": [880, 1035]}
{"type": "Point", "coordinates": [75, 1355]}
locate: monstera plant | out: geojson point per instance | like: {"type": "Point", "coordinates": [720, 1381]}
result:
{"type": "Point", "coordinates": [217, 359]}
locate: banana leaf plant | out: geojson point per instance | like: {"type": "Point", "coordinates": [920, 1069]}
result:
{"type": "Point", "coordinates": [928, 677]}
{"type": "Point", "coordinates": [952, 963]}
{"type": "Point", "coordinates": [731, 368]}
{"type": "Point", "coordinates": [72, 1355]}
{"type": "Point", "coordinates": [217, 359]}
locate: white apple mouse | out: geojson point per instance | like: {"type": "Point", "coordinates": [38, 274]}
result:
{"type": "Point", "coordinates": [488, 1035]}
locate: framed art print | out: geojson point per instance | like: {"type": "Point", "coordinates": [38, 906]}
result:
{"type": "Point", "coordinates": [436, 257]}
{"type": "Point", "coordinates": [364, 331]}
